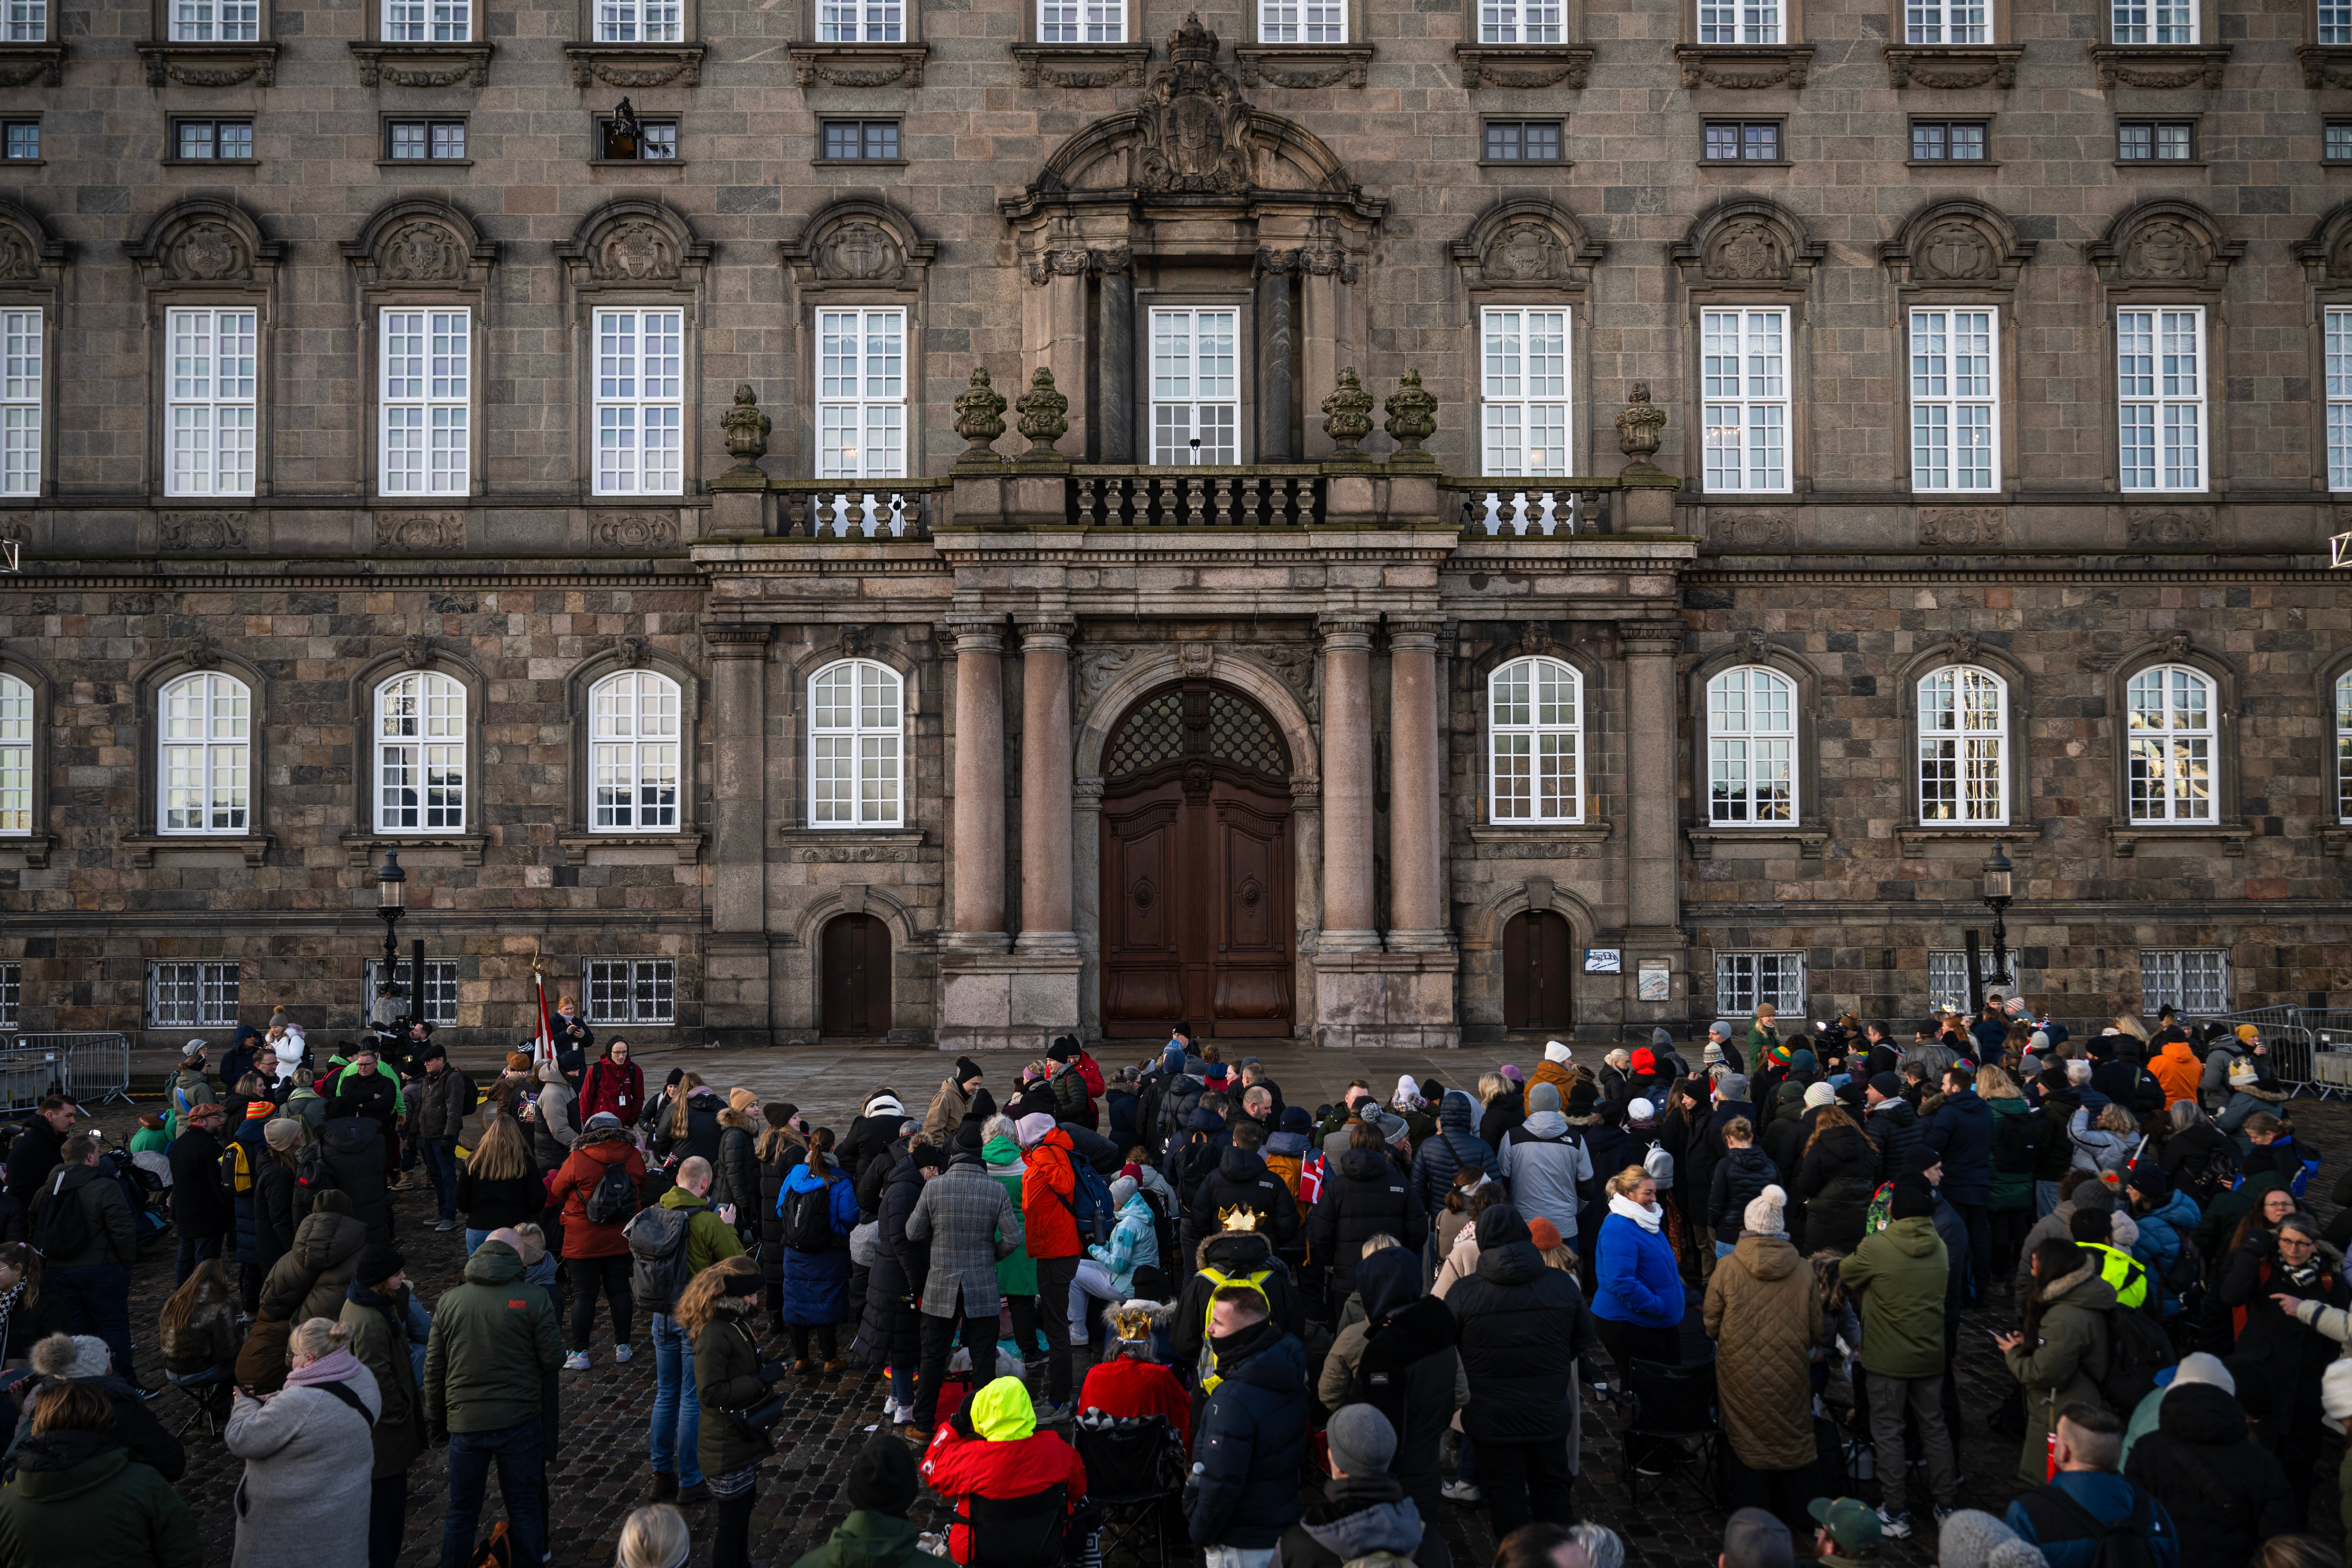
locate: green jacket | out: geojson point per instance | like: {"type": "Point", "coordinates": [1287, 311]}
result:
{"type": "Point", "coordinates": [2068, 1363]}
{"type": "Point", "coordinates": [1016, 1275]}
{"type": "Point", "coordinates": [187, 1089]}
{"type": "Point", "coordinates": [1901, 1273]}
{"type": "Point", "coordinates": [727, 1377]}
{"type": "Point", "coordinates": [708, 1238]}
{"type": "Point", "coordinates": [383, 1070]}
{"type": "Point", "coordinates": [382, 1345]}
{"type": "Point", "coordinates": [1763, 1045]}
{"type": "Point", "coordinates": [871, 1541]}
{"type": "Point", "coordinates": [492, 1337]}
{"type": "Point", "coordinates": [2011, 1189]}
{"type": "Point", "coordinates": [79, 1498]}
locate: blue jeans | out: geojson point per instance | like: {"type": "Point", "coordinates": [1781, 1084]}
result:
{"type": "Point", "coordinates": [441, 1167]}
{"type": "Point", "coordinates": [98, 1302]}
{"type": "Point", "coordinates": [521, 1458]}
{"type": "Point", "coordinates": [473, 1239]}
{"type": "Point", "coordinates": [194, 1249]}
{"type": "Point", "coordinates": [2045, 1198]}
{"type": "Point", "coordinates": [678, 1414]}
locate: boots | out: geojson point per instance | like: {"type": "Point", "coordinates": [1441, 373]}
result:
{"type": "Point", "coordinates": [664, 1488]}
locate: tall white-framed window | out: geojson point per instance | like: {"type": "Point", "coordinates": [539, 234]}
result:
{"type": "Point", "coordinates": [2343, 747]}
{"type": "Point", "coordinates": [16, 756]}
{"type": "Point", "coordinates": [1196, 385]}
{"type": "Point", "coordinates": [2337, 342]}
{"type": "Point", "coordinates": [440, 991]}
{"type": "Point", "coordinates": [191, 995]}
{"type": "Point", "coordinates": [28, 21]}
{"type": "Point", "coordinates": [631, 990]}
{"type": "Point", "coordinates": [1751, 747]}
{"type": "Point", "coordinates": [216, 21]}
{"type": "Point", "coordinates": [428, 21]}
{"type": "Point", "coordinates": [1082, 21]}
{"type": "Point", "coordinates": [2155, 21]}
{"type": "Point", "coordinates": [1964, 747]}
{"type": "Point", "coordinates": [1954, 400]}
{"type": "Point", "coordinates": [1745, 981]}
{"type": "Point", "coordinates": [420, 753]}
{"type": "Point", "coordinates": [205, 754]}
{"type": "Point", "coordinates": [1946, 22]}
{"type": "Point", "coordinates": [212, 411]}
{"type": "Point", "coordinates": [1534, 728]}
{"type": "Point", "coordinates": [640, 21]}
{"type": "Point", "coordinates": [1521, 22]}
{"type": "Point", "coordinates": [20, 402]}
{"type": "Point", "coordinates": [640, 402]}
{"type": "Point", "coordinates": [856, 746]}
{"type": "Point", "coordinates": [861, 394]}
{"type": "Point", "coordinates": [861, 21]}
{"type": "Point", "coordinates": [2334, 22]}
{"type": "Point", "coordinates": [1302, 21]}
{"type": "Point", "coordinates": [1741, 22]}
{"type": "Point", "coordinates": [428, 377]}
{"type": "Point", "coordinates": [2160, 398]}
{"type": "Point", "coordinates": [1524, 380]}
{"type": "Point", "coordinates": [2170, 764]}
{"type": "Point", "coordinates": [1745, 371]}
{"type": "Point", "coordinates": [2193, 980]}
{"type": "Point", "coordinates": [633, 740]}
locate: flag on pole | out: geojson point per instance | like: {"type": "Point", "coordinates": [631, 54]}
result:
{"type": "Point", "coordinates": [545, 1050]}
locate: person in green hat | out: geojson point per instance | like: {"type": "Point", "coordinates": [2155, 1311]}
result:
{"type": "Point", "coordinates": [1849, 1532]}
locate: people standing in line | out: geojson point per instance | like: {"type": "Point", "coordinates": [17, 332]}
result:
{"type": "Point", "coordinates": [1016, 1271]}
{"type": "Point", "coordinates": [2062, 1348]}
{"type": "Point", "coordinates": [80, 1496]}
{"type": "Point", "coordinates": [1522, 1329]}
{"type": "Point", "coordinates": [967, 1221]}
{"type": "Point", "coordinates": [820, 1209]}
{"type": "Point", "coordinates": [1638, 1302]}
{"type": "Point", "coordinates": [670, 1244]}
{"type": "Point", "coordinates": [89, 1251]}
{"type": "Point", "coordinates": [309, 1452]}
{"type": "Point", "coordinates": [375, 1320]}
{"type": "Point", "coordinates": [483, 1367]}
{"type": "Point", "coordinates": [595, 1190]}
{"type": "Point", "coordinates": [1902, 1275]}
{"type": "Point", "coordinates": [719, 1307]}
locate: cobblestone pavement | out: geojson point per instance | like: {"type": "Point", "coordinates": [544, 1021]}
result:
{"type": "Point", "coordinates": [600, 1472]}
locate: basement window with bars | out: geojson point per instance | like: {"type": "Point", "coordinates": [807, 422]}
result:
{"type": "Point", "coordinates": [632, 990]}
{"type": "Point", "coordinates": [191, 995]}
{"type": "Point", "coordinates": [440, 990]}
{"type": "Point", "coordinates": [2192, 980]}
{"type": "Point", "coordinates": [1743, 981]}
{"type": "Point", "coordinates": [1947, 976]}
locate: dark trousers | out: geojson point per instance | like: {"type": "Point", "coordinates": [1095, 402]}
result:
{"type": "Point", "coordinates": [249, 1286]}
{"type": "Point", "coordinates": [441, 1168]}
{"type": "Point", "coordinates": [2009, 1228]}
{"type": "Point", "coordinates": [827, 1342]}
{"type": "Point", "coordinates": [587, 1273]}
{"type": "Point", "coordinates": [1526, 1481]}
{"type": "Point", "coordinates": [1054, 1276]}
{"type": "Point", "coordinates": [1980, 1225]}
{"type": "Point", "coordinates": [387, 1514]}
{"type": "Point", "coordinates": [519, 1452]}
{"type": "Point", "coordinates": [98, 1302]}
{"type": "Point", "coordinates": [194, 1249]}
{"type": "Point", "coordinates": [979, 1336]}
{"type": "Point", "coordinates": [1025, 1325]}
{"type": "Point", "coordinates": [733, 1547]}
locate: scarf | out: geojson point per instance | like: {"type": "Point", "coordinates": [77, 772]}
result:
{"type": "Point", "coordinates": [335, 1366]}
{"type": "Point", "coordinates": [8, 1308]}
{"type": "Point", "coordinates": [1648, 1218]}
{"type": "Point", "coordinates": [2304, 1276]}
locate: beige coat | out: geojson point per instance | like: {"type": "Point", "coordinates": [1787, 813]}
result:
{"type": "Point", "coordinates": [1765, 1316]}
{"type": "Point", "coordinates": [950, 1106]}
{"type": "Point", "coordinates": [1460, 1264]}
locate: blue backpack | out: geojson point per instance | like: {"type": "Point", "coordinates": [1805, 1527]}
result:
{"type": "Point", "coordinates": [1089, 1202]}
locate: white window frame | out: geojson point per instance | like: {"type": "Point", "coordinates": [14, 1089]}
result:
{"type": "Point", "coordinates": [428, 21]}
{"type": "Point", "coordinates": [2169, 759]}
{"type": "Point", "coordinates": [1959, 750]}
{"type": "Point", "coordinates": [17, 720]}
{"type": "Point", "coordinates": [1742, 22]}
{"type": "Point", "coordinates": [637, 993]}
{"type": "Point", "coordinates": [634, 752]}
{"type": "Point", "coordinates": [1946, 22]}
{"type": "Point", "coordinates": [1302, 21]}
{"type": "Point", "coordinates": [1195, 389]}
{"type": "Point", "coordinates": [861, 21]}
{"type": "Point", "coordinates": [1953, 962]}
{"type": "Point", "coordinates": [868, 747]}
{"type": "Point", "coordinates": [1522, 22]}
{"type": "Point", "coordinates": [1082, 21]}
{"type": "Point", "coordinates": [28, 21]}
{"type": "Point", "coordinates": [2156, 397]}
{"type": "Point", "coordinates": [440, 989]}
{"type": "Point", "coordinates": [640, 400]}
{"type": "Point", "coordinates": [203, 755]}
{"type": "Point", "coordinates": [1749, 753]}
{"type": "Point", "coordinates": [2335, 23]}
{"type": "Point", "coordinates": [640, 21]}
{"type": "Point", "coordinates": [2194, 980]}
{"type": "Point", "coordinates": [212, 411]}
{"type": "Point", "coordinates": [424, 418]}
{"type": "Point", "coordinates": [861, 382]}
{"type": "Point", "coordinates": [2136, 23]}
{"type": "Point", "coordinates": [421, 753]}
{"type": "Point", "coordinates": [1526, 387]}
{"type": "Point", "coordinates": [2344, 747]}
{"type": "Point", "coordinates": [216, 21]}
{"type": "Point", "coordinates": [1742, 980]}
{"type": "Point", "coordinates": [23, 358]}
{"type": "Point", "coordinates": [1535, 746]}
{"type": "Point", "coordinates": [1744, 353]}
{"type": "Point", "coordinates": [192, 995]}
{"type": "Point", "coordinates": [2336, 329]}
{"type": "Point", "coordinates": [1955, 400]}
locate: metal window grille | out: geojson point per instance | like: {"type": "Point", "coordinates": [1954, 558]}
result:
{"type": "Point", "coordinates": [192, 995]}
{"type": "Point", "coordinates": [632, 990]}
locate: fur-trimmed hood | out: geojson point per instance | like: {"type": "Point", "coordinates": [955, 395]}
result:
{"type": "Point", "coordinates": [2084, 1280]}
{"type": "Point", "coordinates": [592, 1136]}
{"type": "Point", "coordinates": [730, 1117]}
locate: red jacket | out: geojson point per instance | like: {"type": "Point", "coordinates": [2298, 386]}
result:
{"type": "Point", "coordinates": [1124, 1386]}
{"type": "Point", "coordinates": [964, 1468]}
{"type": "Point", "coordinates": [1052, 1229]}
{"type": "Point", "coordinates": [1090, 1070]}
{"type": "Point", "coordinates": [577, 1177]}
{"type": "Point", "coordinates": [619, 1089]}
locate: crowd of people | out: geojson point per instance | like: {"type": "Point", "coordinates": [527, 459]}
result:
{"type": "Point", "coordinates": [1308, 1331]}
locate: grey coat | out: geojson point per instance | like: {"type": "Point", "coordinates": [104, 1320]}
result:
{"type": "Point", "coordinates": [971, 1222]}
{"type": "Point", "coordinates": [307, 1460]}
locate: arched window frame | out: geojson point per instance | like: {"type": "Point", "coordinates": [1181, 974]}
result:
{"type": "Point", "coordinates": [20, 732]}
{"type": "Point", "coordinates": [580, 833]}
{"type": "Point", "coordinates": [2225, 822]}
{"type": "Point", "coordinates": [1995, 810]}
{"type": "Point", "coordinates": [435, 732]}
{"type": "Point", "coordinates": [622, 753]}
{"type": "Point", "coordinates": [1807, 830]}
{"type": "Point", "coordinates": [2017, 819]}
{"type": "Point", "coordinates": [231, 754]}
{"type": "Point", "coordinates": [2184, 708]}
{"type": "Point", "coordinates": [144, 835]}
{"type": "Point", "coordinates": [856, 733]}
{"type": "Point", "coordinates": [1750, 764]}
{"type": "Point", "coordinates": [1569, 800]}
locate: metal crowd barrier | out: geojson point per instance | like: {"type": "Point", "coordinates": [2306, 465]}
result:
{"type": "Point", "coordinates": [2299, 1038]}
{"type": "Point", "coordinates": [92, 1069]}
{"type": "Point", "coordinates": [27, 1076]}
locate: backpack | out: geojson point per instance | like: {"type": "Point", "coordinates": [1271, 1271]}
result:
{"type": "Point", "coordinates": [236, 1168]}
{"type": "Point", "coordinates": [614, 1198]}
{"type": "Point", "coordinates": [312, 1175]}
{"type": "Point", "coordinates": [62, 1231]}
{"type": "Point", "coordinates": [2018, 1142]}
{"type": "Point", "coordinates": [808, 1218]}
{"type": "Point", "coordinates": [2137, 1349]}
{"type": "Point", "coordinates": [2122, 1544]}
{"type": "Point", "coordinates": [1089, 1202]}
{"type": "Point", "coordinates": [657, 1256]}
{"type": "Point", "coordinates": [1163, 1232]}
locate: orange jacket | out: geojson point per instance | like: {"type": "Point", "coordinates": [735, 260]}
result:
{"type": "Point", "coordinates": [2178, 1070]}
{"type": "Point", "coordinates": [1048, 1186]}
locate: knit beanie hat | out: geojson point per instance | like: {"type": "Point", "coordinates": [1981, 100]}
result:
{"type": "Point", "coordinates": [882, 1477]}
{"type": "Point", "coordinates": [62, 1356]}
{"type": "Point", "coordinates": [1819, 1094]}
{"type": "Point", "coordinates": [1583, 1097]}
{"type": "Point", "coordinates": [1913, 1199]}
{"type": "Point", "coordinates": [1121, 1190]}
{"type": "Point", "coordinates": [972, 1136]}
{"type": "Point", "coordinates": [2150, 1182]}
{"type": "Point", "coordinates": [2094, 1195]}
{"type": "Point", "coordinates": [1032, 1127]}
{"type": "Point", "coordinates": [1511, 1070]}
{"type": "Point", "coordinates": [1766, 1214]}
{"type": "Point", "coordinates": [967, 1069]}
{"type": "Point", "coordinates": [2199, 1366]}
{"type": "Point", "coordinates": [1543, 1097]}
{"type": "Point", "coordinates": [1641, 1111]}
{"type": "Point", "coordinates": [1363, 1441]}
{"type": "Point", "coordinates": [741, 1282]}
{"type": "Point", "coordinates": [1968, 1538]}
{"type": "Point", "coordinates": [281, 1132]}
{"type": "Point", "coordinates": [927, 1156]}
{"type": "Point", "coordinates": [518, 1061]}
{"type": "Point", "coordinates": [332, 1200]}
{"type": "Point", "coordinates": [2246, 1032]}
{"type": "Point", "coordinates": [1712, 1055]}
{"type": "Point", "coordinates": [1888, 1084]}
{"type": "Point", "coordinates": [378, 1261]}
{"type": "Point", "coordinates": [1556, 1051]}
{"type": "Point", "coordinates": [1295, 1119]}
{"type": "Point", "coordinates": [1543, 1233]}
{"type": "Point", "coordinates": [2242, 1074]}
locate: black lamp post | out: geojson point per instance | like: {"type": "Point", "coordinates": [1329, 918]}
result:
{"type": "Point", "coordinates": [1998, 873]}
{"type": "Point", "coordinates": [392, 898]}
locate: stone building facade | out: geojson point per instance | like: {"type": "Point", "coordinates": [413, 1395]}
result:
{"type": "Point", "coordinates": [892, 532]}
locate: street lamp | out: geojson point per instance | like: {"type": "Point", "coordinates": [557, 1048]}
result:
{"type": "Point", "coordinates": [391, 898]}
{"type": "Point", "coordinates": [1998, 873]}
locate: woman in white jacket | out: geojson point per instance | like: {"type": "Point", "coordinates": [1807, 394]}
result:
{"type": "Point", "coordinates": [308, 1451]}
{"type": "Point", "coordinates": [2103, 1145]}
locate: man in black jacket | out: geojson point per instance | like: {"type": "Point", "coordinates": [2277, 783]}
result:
{"type": "Point", "coordinates": [1365, 1195]}
{"type": "Point", "coordinates": [1892, 1124]}
{"type": "Point", "coordinates": [39, 1148]}
{"type": "Point", "coordinates": [201, 1209]}
{"type": "Point", "coordinates": [1523, 1325]}
{"type": "Point", "coordinates": [1400, 1361]}
{"type": "Point", "coordinates": [1240, 1181]}
{"type": "Point", "coordinates": [91, 1281]}
{"type": "Point", "coordinates": [1228, 1257]}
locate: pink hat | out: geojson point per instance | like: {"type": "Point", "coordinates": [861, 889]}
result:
{"type": "Point", "coordinates": [1511, 1072]}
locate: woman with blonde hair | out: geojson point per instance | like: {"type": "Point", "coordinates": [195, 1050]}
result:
{"type": "Point", "coordinates": [691, 1127]}
{"type": "Point", "coordinates": [80, 1496]}
{"type": "Point", "coordinates": [309, 1454]}
{"type": "Point", "coordinates": [500, 1185]}
{"type": "Point", "coordinates": [655, 1537]}
{"type": "Point", "coordinates": [732, 1382]}
{"type": "Point", "coordinates": [1835, 1178]}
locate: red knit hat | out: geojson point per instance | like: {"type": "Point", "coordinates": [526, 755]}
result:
{"type": "Point", "coordinates": [1543, 1233]}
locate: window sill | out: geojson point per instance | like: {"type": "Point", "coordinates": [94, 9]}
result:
{"type": "Point", "coordinates": [208, 64]}
{"type": "Point", "coordinates": [813, 846]}
{"type": "Point", "coordinates": [1539, 840]}
{"type": "Point", "coordinates": [2325, 65]}
{"type": "Point", "coordinates": [33, 846]}
{"type": "Point", "coordinates": [1951, 163]}
{"type": "Point", "coordinates": [636, 162]}
{"type": "Point", "coordinates": [1523, 65]}
{"type": "Point", "coordinates": [1302, 66]}
{"type": "Point", "coordinates": [1916, 838]}
{"type": "Point", "coordinates": [576, 845]}
{"type": "Point", "coordinates": [1810, 841]}
{"type": "Point", "coordinates": [1747, 163]}
{"type": "Point", "coordinates": [22, 65]}
{"type": "Point", "coordinates": [424, 163]}
{"type": "Point", "coordinates": [858, 65]}
{"type": "Point", "coordinates": [144, 847]}
{"type": "Point", "coordinates": [2160, 162]}
{"type": "Point", "coordinates": [211, 163]}
{"type": "Point", "coordinates": [423, 65]}
{"type": "Point", "coordinates": [635, 65]}
{"type": "Point", "coordinates": [2159, 66]}
{"type": "Point", "coordinates": [1952, 66]}
{"type": "Point", "coordinates": [1110, 65]}
{"type": "Point", "coordinates": [1737, 66]}
{"type": "Point", "coordinates": [858, 162]}
{"type": "Point", "coordinates": [2332, 839]}
{"type": "Point", "coordinates": [2125, 838]}
{"type": "Point", "coordinates": [22, 162]}
{"type": "Point", "coordinates": [360, 848]}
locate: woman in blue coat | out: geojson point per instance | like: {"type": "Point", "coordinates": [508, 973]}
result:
{"type": "Point", "coordinates": [1638, 1302]}
{"type": "Point", "coordinates": [819, 1207]}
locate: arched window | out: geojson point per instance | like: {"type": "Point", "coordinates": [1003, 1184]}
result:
{"type": "Point", "coordinates": [15, 756]}
{"type": "Point", "coordinates": [420, 754]}
{"type": "Point", "coordinates": [633, 753]}
{"type": "Point", "coordinates": [2344, 746]}
{"type": "Point", "coordinates": [1751, 747]}
{"type": "Point", "coordinates": [1963, 758]}
{"type": "Point", "coordinates": [856, 746]}
{"type": "Point", "coordinates": [1535, 726]}
{"type": "Point", "coordinates": [205, 755]}
{"type": "Point", "coordinates": [2171, 758]}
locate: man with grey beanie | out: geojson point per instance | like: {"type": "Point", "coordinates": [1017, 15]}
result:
{"type": "Point", "coordinates": [1363, 1511]}
{"type": "Point", "coordinates": [1547, 1164]}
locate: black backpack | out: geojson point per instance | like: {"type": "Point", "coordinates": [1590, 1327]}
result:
{"type": "Point", "coordinates": [2122, 1544]}
{"type": "Point", "coordinates": [312, 1175]}
{"type": "Point", "coordinates": [62, 1232]}
{"type": "Point", "coordinates": [808, 1219]}
{"type": "Point", "coordinates": [1173, 1262]}
{"type": "Point", "coordinates": [657, 1256]}
{"type": "Point", "coordinates": [2018, 1142]}
{"type": "Point", "coordinates": [614, 1198]}
{"type": "Point", "coordinates": [2137, 1349]}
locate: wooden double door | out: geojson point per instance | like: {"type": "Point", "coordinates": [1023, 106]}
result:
{"type": "Point", "coordinates": [1538, 957]}
{"type": "Point", "coordinates": [853, 977]}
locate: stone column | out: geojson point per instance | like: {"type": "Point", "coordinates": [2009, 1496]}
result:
{"type": "Point", "coordinates": [1274, 343]}
{"type": "Point", "coordinates": [979, 846]}
{"type": "Point", "coordinates": [1116, 389]}
{"type": "Point", "coordinates": [1417, 913]}
{"type": "Point", "coordinates": [1085, 893]}
{"type": "Point", "coordinates": [735, 994]}
{"type": "Point", "coordinates": [1653, 892]}
{"type": "Point", "coordinates": [1046, 783]}
{"type": "Point", "coordinates": [1347, 783]}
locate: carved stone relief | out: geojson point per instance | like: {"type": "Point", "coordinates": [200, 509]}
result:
{"type": "Point", "coordinates": [422, 253]}
{"type": "Point", "coordinates": [859, 252]}
{"type": "Point", "coordinates": [1962, 527]}
{"type": "Point", "coordinates": [1193, 122]}
{"type": "Point", "coordinates": [2163, 252]}
{"type": "Point", "coordinates": [1955, 253]}
{"type": "Point", "coordinates": [201, 532]}
{"type": "Point", "coordinates": [1524, 252]}
{"type": "Point", "coordinates": [2168, 528]}
{"type": "Point", "coordinates": [633, 531]}
{"type": "Point", "coordinates": [422, 532]}
{"type": "Point", "coordinates": [19, 260]}
{"type": "Point", "coordinates": [208, 252]}
{"type": "Point", "coordinates": [1753, 530]}
{"type": "Point", "coordinates": [635, 252]}
{"type": "Point", "coordinates": [1748, 250]}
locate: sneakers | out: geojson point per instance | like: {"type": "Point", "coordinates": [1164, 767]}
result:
{"type": "Point", "coordinates": [576, 1362]}
{"type": "Point", "coordinates": [620, 1355]}
{"type": "Point", "coordinates": [1051, 1411]}
{"type": "Point", "coordinates": [896, 1414]}
{"type": "Point", "coordinates": [444, 1225]}
{"type": "Point", "coordinates": [1894, 1526]}
{"type": "Point", "coordinates": [698, 1492]}
{"type": "Point", "coordinates": [1462, 1491]}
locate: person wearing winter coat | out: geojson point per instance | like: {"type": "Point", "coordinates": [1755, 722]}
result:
{"type": "Point", "coordinates": [1835, 1182]}
{"type": "Point", "coordinates": [375, 1320]}
{"type": "Point", "coordinates": [1960, 1135]}
{"type": "Point", "coordinates": [309, 1456]}
{"type": "Point", "coordinates": [2178, 1069]}
{"type": "Point", "coordinates": [355, 1147]}
{"type": "Point", "coordinates": [719, 1307]}
{"type": "Point", "coordinates": [1783, 1142]}
{"type": "Point", "coordinates": [309, 1282]}
{"type": "Point", "coordinates": [815, 1279]}
{"type": "Point", "coordinates": [614, 1084]}
{"type": "Point", "coordinates": [1901, 1275]}
{"type": "Point", "coordinates": [1637, 1303]}
{"type": "Point", "coordinates": [2080, 1190]}
{"type": "Point", "coordinates": [1238, 1256]}
{"type": "Point", "coordinates": [30, 1315]}
{"type": "Point", "coordinates": [2246, 1096]}
{"type": "Point", "coordinates": [1765, 1315]}
{"type": "Point", "coordinates": [1554, 1069]}
{"type": "Point", "coordinates": [951, 1101]}
{"type": "Point", "coordinates": [735, 1174]}
{"type": "Point", "coordinates": [968, 1221]}
{"type": "Point", "coordinates": [1107, 1273]}
{"type": "Point", "coordinates": [1457, 1144]}
{"type": "Point", "coordinates": [1366, 1195]}
{"type": "Point", "coordinates": [552, 1128]}
{"type": "Point", "coordinates": [992, 1449]}
{"type": "Point", "coordinates": [198, 1332]}
{"type": "Point", "coordinates": [492, 1340]}
{"type": "Point", "coordinates": [201, 1209]}
{"type": "Point", "coordinates": [1546, 1163]}
{"type": "Point", "coordinates": [1892, 1124]}
{"type": "Point", "coordinates": [2271, 1286]}
{"type": "Point", "coordinates": [2018, 1130]}
{"type": "Point", "coordinates": [2061, 1350]}
{"type": "Point", "coordinates": [1402, 1361]}
{"type": "Point", "coordinates": [1740, 1178]}
{"type": "Point", "coordinates": [275, 1194]}
{"type": "Point", "coordinates": [1252, 1436]}
{"type": "Point", "coordinates": [2226, 1493]}
{"type": "Point", "coordinates": [1523, 1327]}
{"type": "Point", "coordinates": [2167, 1219]}
{"type": "Point", "coordinates": [1049, 1225]}
{"type": "Point", "coordinates": [78, 1496]}
{"type": "Point", "coordinates": [1363, 1514]}
{"type": "Point", "coordinates": [689, 1129]}
{"type": "Point", "coordinates": [594, 1253]}
{"type": "Point", "coordinates": [889, 1329]}
{"type": "Point", "coordinates": [1241, 1181]}
{"type": "Point", "coordinates": [2103, 1144]}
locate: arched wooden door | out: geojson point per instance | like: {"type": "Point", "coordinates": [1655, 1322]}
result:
{"type": "Point", "coordinates": [1196, 868]}
{"type": "Point", "coordinates": [1539, 952]}
{"type": "Point", "coordinates": [854, 966]}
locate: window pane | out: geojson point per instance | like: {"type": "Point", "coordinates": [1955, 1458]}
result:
{"type": "Point", "coordinates": [854, 717]}
{"type": "Point", "coordinates": [24, 139]}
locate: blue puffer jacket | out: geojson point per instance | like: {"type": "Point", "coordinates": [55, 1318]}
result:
{"type": "Point", "coordinates": [2161, 1232]}
{"type": "Point", "coordinates": [1248, 1446]}
{"type": "Point", "coordinates": [1635, 1268]}
{"type": "Point", "coordinates": [1457, 1144]}
{"type": "Point", "coordinates": [816, 1284]}
{"type": "Point", "coordinates": [1960, 1133]}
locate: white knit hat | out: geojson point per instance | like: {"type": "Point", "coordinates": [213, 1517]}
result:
{"type": "Point", "coordinates": [1819, 1094]}
{"type": "Point", "coordinates": [1640, 1111]}
{"type": "Point", "coordinates": [1767, 1214]}
{"type": "Point", "coordinates": [1556, 1051]}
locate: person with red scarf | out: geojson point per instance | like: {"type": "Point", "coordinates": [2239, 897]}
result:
{"type": "Point", "coordinates": [613, 1083]}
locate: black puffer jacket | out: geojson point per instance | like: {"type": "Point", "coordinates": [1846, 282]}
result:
{"type": "Point", "coordinates": [783, 1153]}
{"type": "Point", "coordinates": [1408, 1366]}
{"type": "Point", "coordinates": [1240, 1181]}
{"type": "Point", "coordinates": [1740, 1178]}
{"type": "Point", "coordinates": [1893, 1126]}
{"type": "Point", "coordinates": [871, 1137]}
{"type": "Point", "coordinates": [1499, 1115]}
{"type": "Point", "coordinates": [1835, 1182]}
{"type": "Point", "coordinates": [1366, 1196]}
{"type": "Point", "coordinates": [1251, 1441]}
{"type": "Point", "coordinates": [1236, 1254]}
{"type": "Point", "coordinates": [354, 1146]}
{"type": "Point", "coordinates": [1523, 1324]}
{"type": "Point", "coordinates": [274, 1219]}
{"type": "Point", "coordinates": [701, 1130]}
{"type": "Point", "coordinates": [890, 1327]}
{"type": "Point", "coordinates": [735, 1174]}
{"type": "Point", "coordinates": [2225, 1491]}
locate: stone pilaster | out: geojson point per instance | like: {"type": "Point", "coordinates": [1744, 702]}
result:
{"type": "Point", "coordinates": [1347, 919]}
{"type": "Point", "coordinates": [1653, 756]}
{"type": "Point", "coordinates": [1417, 915]}
{"type": "Point", "coordinates": [978, 851]}
{"type": "Point", "coordinates": [1045, 779]}
{"type": "Point", "coordinates": [735, 982]}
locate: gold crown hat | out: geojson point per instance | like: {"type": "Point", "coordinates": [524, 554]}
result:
{"type": "Point", "coordinates": [1133, 1320]}
{"type": "Point", "coordinates": [1238, 1217]}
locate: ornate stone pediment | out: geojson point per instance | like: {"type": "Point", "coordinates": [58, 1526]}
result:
{"type": "Point", "coordinates": [859, 244]}
{"type": "Point", "coordinates": [1957, 244]}
{"type": "Point", "coordinates": [1525, 243]}
{"type": "Point", "coordinates": [1194, 125]}
{"type": "Point", "coordinates": [2165, 244]}
{"type": "Point", "coordinates": [203, 240]}
{"type": "Point", "coordinates": [634, 242]}
{"type": "Point", "coordinates": [421, 243]}
{"type": "Point", "coordinates": [1747, 243]}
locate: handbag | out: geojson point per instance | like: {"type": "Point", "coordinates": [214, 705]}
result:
{"type": "Point", "coordinates": [754, 1421]}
